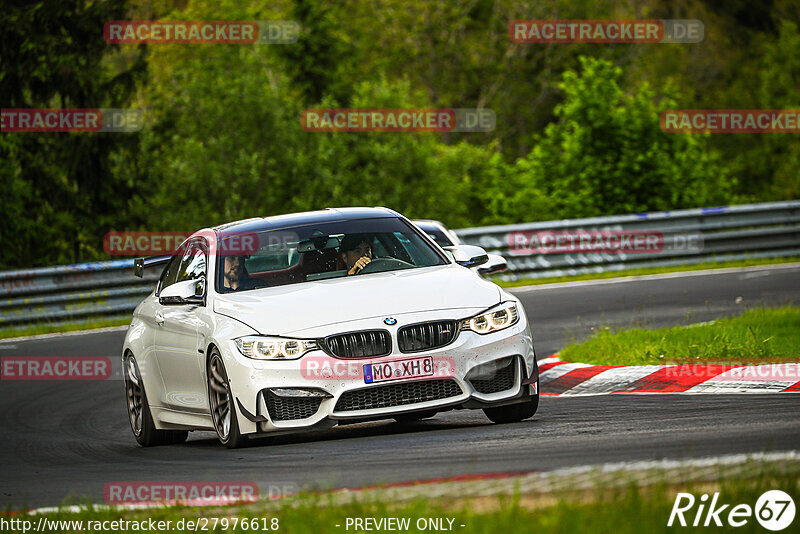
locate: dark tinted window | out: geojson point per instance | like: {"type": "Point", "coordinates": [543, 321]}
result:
{"type": "Point", "coordinates": [314, 252]}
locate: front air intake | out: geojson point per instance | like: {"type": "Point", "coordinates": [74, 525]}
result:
{"type": "Point", "coordinates": [389, 395]}
{"type": "Point", "coordinates": [290, 408]}
{"type": "Point", "coordinates": [494, 377]}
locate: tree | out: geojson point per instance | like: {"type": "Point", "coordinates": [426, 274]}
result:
{"type": "Point", "coordinates": [606, 154]}
{"type": "Point", "coordinates": [321, 52]}
{"type": "Point", "coordinates": [60, 194]}
{"type": "Point", "coordinates": [768, 162]}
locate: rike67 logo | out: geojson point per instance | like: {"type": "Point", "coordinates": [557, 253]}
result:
{"type": "Point", "coordinates": [774, 510]}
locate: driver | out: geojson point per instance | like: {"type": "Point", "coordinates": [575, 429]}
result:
{"type": "Point", "coordinates": [235, 275]}
{"type": "Point", "coordinates": [356, 252]}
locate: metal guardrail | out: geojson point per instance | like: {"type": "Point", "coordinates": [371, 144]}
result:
{"type": "Point", "coordinates": [108, 290]}
{"type": "Point", "coordinates": [766, 230]}
{"type": "Point", "coordinates": [71, 293]}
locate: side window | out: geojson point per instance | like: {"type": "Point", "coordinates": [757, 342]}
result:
{"type": "Point", "coordinates": [170, 274]}
{"type": "Point", "coordinates": [193, 264]}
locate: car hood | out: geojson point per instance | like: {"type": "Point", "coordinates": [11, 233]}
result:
{"type": "Point", "coordinates": [285, 310]}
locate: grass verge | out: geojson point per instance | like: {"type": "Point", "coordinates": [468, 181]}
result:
{"type": "Point", "coordinates": [628, 505]}
{"type": "Point", "coordinates": [757, 336]}
{"type": "Point", "coordinates": [645, 271]}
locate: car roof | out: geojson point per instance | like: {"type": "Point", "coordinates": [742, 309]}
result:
{"type": "Point", "coordinates": [289, 220]}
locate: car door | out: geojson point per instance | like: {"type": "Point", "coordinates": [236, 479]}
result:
{"type": "Point", "coordinates": [179, 356]}
{"type": "Point", "coordinates": [150, 313]}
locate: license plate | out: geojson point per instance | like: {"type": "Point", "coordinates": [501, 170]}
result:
{"type": "Point", "coordinates": [398, 370]}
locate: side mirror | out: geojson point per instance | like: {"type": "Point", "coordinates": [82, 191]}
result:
{"type": "Point", "coordinates": [496, 264]}
{"type": "Point", "coordinates": [186, 292]}
{"type": "Point", "coordinates": [140, 264]}
{"type": "Point", "coordinates": [468, 255]}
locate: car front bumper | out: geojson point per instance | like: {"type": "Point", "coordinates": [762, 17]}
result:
{"type": "Point", "coordinates": [463, 376]}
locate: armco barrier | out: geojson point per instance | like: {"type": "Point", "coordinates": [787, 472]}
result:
{"type": "Point", "coordinates": [725, 233]}
{"type": "Point", "coordinates": [103, 290]}
{"type": "Point", "coordinates": [71, 293]}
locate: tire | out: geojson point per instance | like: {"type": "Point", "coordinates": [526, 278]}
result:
{"type": "Point", "coordinates": [139, 416]}
{"type": "Point", "coordinates": [414, 416]}
{"type": "Point", "coordinates": [223, 411]}
{"type": "Point", "coordinates": [514, 413]}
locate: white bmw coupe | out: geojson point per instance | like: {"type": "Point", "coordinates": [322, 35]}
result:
{"type": "Point", "coordinates": [305, 321]}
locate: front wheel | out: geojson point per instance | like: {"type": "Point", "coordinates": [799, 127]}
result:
{"type": "Point", "coordinates": [223, 413]}
{"type": "Point", "coordinates": [513, 413]}
{"type": "Point", "coordinates": [144, 430]}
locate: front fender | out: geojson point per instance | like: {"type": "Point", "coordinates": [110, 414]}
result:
{"type": "Point", "coordinates": [238, 367]}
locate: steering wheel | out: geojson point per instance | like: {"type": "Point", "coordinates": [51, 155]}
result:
{"type": "Point", "coordinates": [384, 264]}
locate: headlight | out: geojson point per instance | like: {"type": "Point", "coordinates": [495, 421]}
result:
{"type": "Point", "coordinates": [500, 318]}
{"type": "Point", "coordinates": [274, 348]}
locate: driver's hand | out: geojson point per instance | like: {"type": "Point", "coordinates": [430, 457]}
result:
{"type": "Point", "coordinates": [360, 264]}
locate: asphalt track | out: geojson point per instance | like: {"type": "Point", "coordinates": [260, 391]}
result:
{"type": "Point", "coordinates": [61, 441]}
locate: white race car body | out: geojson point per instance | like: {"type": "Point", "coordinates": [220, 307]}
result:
{"type": "Point", "coordinates": [438, 364]}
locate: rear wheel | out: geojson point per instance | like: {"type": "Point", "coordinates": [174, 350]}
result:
{"type": "Point", "coordinates": [144, 430]}
{"type": "Point", "coordinates": [223, 413]}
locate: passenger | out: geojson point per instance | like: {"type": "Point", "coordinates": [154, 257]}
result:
{"type": "Point", "coordinates": [356, 252]}
{"type": "Point", "coordinates": [235, 275]}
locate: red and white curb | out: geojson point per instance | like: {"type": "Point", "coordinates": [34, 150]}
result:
{"type": "Point", "coordinates": [561, 378]}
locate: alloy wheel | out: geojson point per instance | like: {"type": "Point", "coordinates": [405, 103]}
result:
{"type": "Point", "coordinates": [133, 392]}
{"type": "Point", "coordinates": [220, 397]}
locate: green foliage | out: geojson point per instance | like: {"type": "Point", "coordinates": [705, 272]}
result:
{"type": "Point", "coordinates": [606, 153]}
{"type": "Point", "coordinates": [317, 61]}
{"type": "Point", "coordinates": [253, 158]}
{"type": "Point", "coordinates": [58, 196]}
{"type": "Point", "coordinates": [577, 125]}
{"type": "Point", "coordinates": [775, 156]}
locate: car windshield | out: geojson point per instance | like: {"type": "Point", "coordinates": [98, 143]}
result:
{"type": "Point", "coordinates": [439, 236]}
{"type": "Point", "coordinates": [325, 250]}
